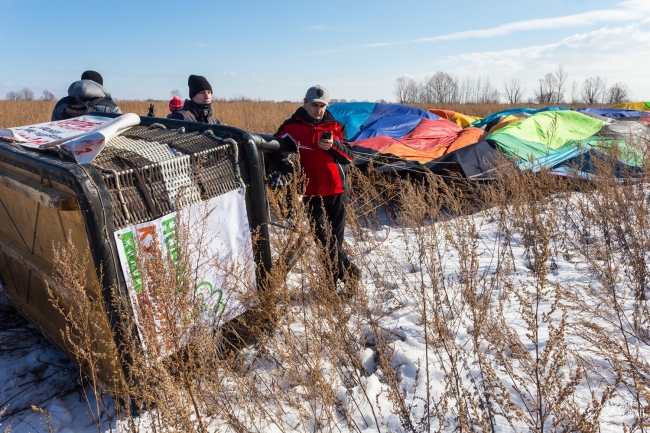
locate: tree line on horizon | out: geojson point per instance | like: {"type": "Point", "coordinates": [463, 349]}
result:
{"type": "Point", "coordinates": [553, 88]}
{"type": "Point", "coordinates": [446, 88]}
{"type": "Point", "coordinates": [26, 94]}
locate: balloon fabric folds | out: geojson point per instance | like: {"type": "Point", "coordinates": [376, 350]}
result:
{"type": "Point", "coordinates": [565, 141]}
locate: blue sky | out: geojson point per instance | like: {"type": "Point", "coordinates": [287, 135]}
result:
{"type": "Point", "coordinates": [355, 48]}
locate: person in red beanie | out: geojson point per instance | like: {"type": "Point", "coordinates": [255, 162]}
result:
{"type": "Point", "coordinates": [175, 104]}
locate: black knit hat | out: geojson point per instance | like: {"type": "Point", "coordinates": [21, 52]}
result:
{"type": "Point", "coordinates": [94, 76]}
{"type": "Point", "coordinates": [197, 84]}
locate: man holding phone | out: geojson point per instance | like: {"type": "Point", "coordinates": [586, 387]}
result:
{"type": "Point", "coordinates": [324, 154]}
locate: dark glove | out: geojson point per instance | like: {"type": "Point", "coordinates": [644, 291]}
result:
{"type": "Point", "coordinates": [276, 181]}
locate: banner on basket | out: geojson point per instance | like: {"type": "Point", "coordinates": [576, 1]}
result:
{"type": "Point", "coordinates": [83, 137]}
{"type": "Point", "coordinates": [210, 244]}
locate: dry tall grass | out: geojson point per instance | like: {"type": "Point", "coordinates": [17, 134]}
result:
{"type": "Point", "coordinates": [254, 116]}
{"type": "Point", "coordinates": [505, 345]}
{"type": "Point", "coordinates": [17, 113]}
{"type": "Point", "coordinates": [503, 342]}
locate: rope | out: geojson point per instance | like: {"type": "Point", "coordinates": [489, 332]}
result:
{"type": "Point", "coordinates": [379, 194]}
{"type": "Point", "coordinates": [289, 225]}
{"type": "Point", "coordinates": [235, 156]}
{"type": "Point", "coordinates": [141, 184]}
{"type": "Point", "coordinates": [390, 223]}
{"type": "Point", "coordinates": [422, 171]}
{"type": "Point", "coordinates": [211, 134]}
{"type": "Point", "coordinates": [371, 249]}
{"type": "Point", "coordinates": [410, 170]}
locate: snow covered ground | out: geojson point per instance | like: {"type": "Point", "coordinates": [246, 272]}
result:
{"type": "Point", "coordinates": [32, 372]}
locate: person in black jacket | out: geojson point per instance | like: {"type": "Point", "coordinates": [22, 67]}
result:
{"type": "Point", "coordinates": [324, 151]}
{"type": "Point", "coordinates": [84, 96]}
{"type": "Point", "coordinates": [198, 108]}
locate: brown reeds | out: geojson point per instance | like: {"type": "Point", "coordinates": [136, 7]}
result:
{"type": "Point", "coordinates": [516, 306]}
{"type": "Point", "coordinates": [254, 116]}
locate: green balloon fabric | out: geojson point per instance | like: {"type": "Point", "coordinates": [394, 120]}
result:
{"type": "Point", "coordinates": [616, 148]}
{"type": "Point", "coordinates": [544, 133]}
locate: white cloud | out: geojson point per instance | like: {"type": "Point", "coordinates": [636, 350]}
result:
{"type": "Point", "coordinates": [258, 80]}
{"type": "Point", "coordinates": [625, 11]}
{"type": "Point", "coordinates": [353, 47]}
{"type": "Point", "coordinates": [578, 20]}
{"type": "Point", "coordinates": [230, 73]}
{"type": "Point", "coordinates": [619, 53]}
{"type": "Point", "coordinates": [380, 44]}
{"type": "Point", "coordinates": [315, 27]}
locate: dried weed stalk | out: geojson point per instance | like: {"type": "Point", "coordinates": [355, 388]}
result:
{"type": "Point", "coordinates": [501, 341]}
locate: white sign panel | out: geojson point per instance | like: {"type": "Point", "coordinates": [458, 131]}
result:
{"type": "Point", "coordinates": [84, 137]}
{"type": "Point", "coordinates": [219, 255]}
{"type": "Point", "coordinates": [52, 133]}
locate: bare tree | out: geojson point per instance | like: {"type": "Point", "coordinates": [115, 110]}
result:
{"type": "Point", "coordinates": [175, 93]}
{"type": "Point", "coordinates": [425, 91]}
{"type": "Point", "coordinates": [574, 92]}
{"type": "Point", "coordinates": [401, 84]}
{"type": "Point", "coordinates": [406, 90]}
{"type": "Point", "coordinates": [545, 92]}
{"type": "Point", "coordinates": [444, 88]}
{"type": "Point", "coordinates": [618, 94]}
{"type": "Point", "coordinates": [441, 88]}
{"type": "Point", "coordinates": [14, 96]}
{"type": "Point", "coordinates": [560, 84]}
{"type": "Point", "coordinates": [48, 96]}
{"type": "Point", "coordinates": [593, 90]}
{"type": "Point", "coordinates": [467, 90]}
{"type": "Point", "coordinates": [488, 94]}
{"type": "Point", "coordinates": [513, 90]}
{"type": "Point", "coordinates": [28, 95]}
{"type": "Point", "coordinates": [476, 90]}
{"type": "Point", "coordinates": [551, 88]}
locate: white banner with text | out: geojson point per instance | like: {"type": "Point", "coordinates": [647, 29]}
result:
{"type": "Point", "coordinates": [83, 137]}
{"type": "Point", "coordinates": [209, 246]}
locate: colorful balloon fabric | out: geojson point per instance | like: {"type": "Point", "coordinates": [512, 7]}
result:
{"type": "Point", "coordinates": [403, 138]}
{"type": "Point", "coordinates": [400, 131]}
{"type": "Point", "coordinates": [459, 119]}
{"type": "Point", "coordinates": [543, 133]}
{"type": "Point", "coordinates": [638, 106]}
{"type": "Point", "coordinates": [613, 113]}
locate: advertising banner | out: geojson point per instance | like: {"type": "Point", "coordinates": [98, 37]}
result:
{"type": "Point", "coordinates": [210, 244]}
{"type": "Point", "coordinates": [84, 137]}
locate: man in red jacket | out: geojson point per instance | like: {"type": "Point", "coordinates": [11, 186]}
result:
{"type": "Point", "coordinates": [324, 154]}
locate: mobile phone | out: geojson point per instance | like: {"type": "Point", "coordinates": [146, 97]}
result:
{"type": "Point", "coordinates": [326, 135]}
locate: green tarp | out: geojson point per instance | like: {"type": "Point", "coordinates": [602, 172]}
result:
{"type": "Point", "coordinates": [545, 133]}
{"type": "Point", "coordinates": [616, 148]}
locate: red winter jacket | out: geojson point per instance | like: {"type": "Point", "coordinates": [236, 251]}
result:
{"type": "Point", "coordinates": [325, 171]}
